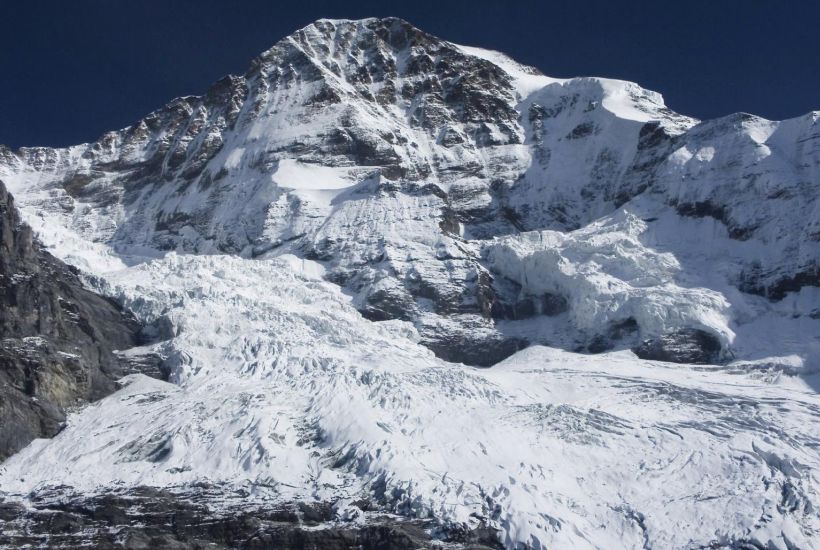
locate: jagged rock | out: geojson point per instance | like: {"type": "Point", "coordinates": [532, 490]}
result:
{"type": "Point", "coordinates": [151, 518]}
{"type": "Point", "coordinates": [507, 300]}
{"type": "Point", "coordinates": [682, 346]}
{"type": "Point", "coordinates": [57, 339]}
{"type": "Point", "coordinates": [616, 334]}
{"type": "Point", "coordinates": [480, 350]}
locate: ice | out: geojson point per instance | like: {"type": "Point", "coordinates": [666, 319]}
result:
{"type": "Point", "coordinates": [280, 383]}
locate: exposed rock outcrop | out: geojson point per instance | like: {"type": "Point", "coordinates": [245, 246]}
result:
{"type": "Point", "coordinates": [683, 346]}
{"type": "Point", "coordinates": [152, 518]}
{"type": "Point", "coordinates": [58, 340]}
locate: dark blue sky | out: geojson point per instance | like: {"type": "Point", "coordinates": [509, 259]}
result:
{"type": "Point", "coordinates": [74, 69]}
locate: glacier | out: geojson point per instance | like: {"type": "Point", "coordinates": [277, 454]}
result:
{"type": "Point", "coordinates": [340, 240]}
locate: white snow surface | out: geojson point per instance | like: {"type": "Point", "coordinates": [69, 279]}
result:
{"type": "Point", "coordinates": [280, 384]}
{"type": "Point", "coordinates": [527, 80]}
{"type": "Point", "coordinates": [293, 174]}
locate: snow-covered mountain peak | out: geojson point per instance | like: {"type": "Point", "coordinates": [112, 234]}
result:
{"type": "Point", "coordinates": [426, 148]}
{"type": "Point", "coordinates": [326, 237]}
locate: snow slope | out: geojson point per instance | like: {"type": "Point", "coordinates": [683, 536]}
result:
{"type": "Point", "coordinates": [294, 393]}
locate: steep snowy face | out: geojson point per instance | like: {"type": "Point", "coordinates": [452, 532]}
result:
{"type": "Point", "coordinates": [761, 180]}
{"type": "Point", "coordinates": [587, 137]}
{"type": "Point", "coordinates": [393, 157]}
{"type": "Point", "coordinates": [320, 111]}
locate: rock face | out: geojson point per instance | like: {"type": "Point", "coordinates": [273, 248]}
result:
{"type": "Point", "coordinates": [57, 339]}
{"type": "Point", "coordinates": [684, 346]}
{"type": "Point", "coordinates": [393, 156]}
{"type": "Point", "coordinates": [151, 518]}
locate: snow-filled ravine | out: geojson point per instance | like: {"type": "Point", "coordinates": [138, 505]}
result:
{"type": "Point", "coordinates": [280, 384]}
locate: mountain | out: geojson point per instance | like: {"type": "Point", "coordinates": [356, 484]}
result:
{"type": "Point", "coordinates": [327, 236]}
{"type": "Point", "coordinates": [428, 151]}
